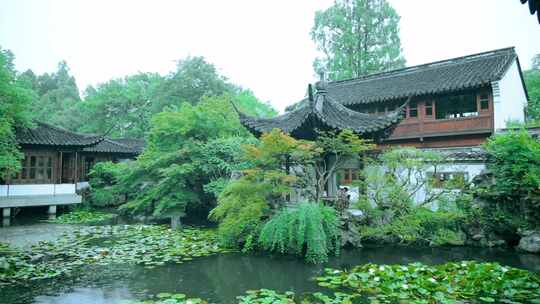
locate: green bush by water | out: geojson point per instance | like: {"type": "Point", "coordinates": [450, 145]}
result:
{"type": "Point", "coordinates": [419, 226]}
{"type": "Point", "coordinates": [309, 229]}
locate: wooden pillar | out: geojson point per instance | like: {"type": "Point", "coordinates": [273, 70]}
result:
{"type": "Point", "coordinates": [76, 176]}
{"type": "Point", "coordinates": [61, 164]}
{"type": "Point", "coordinates": [332, 180]}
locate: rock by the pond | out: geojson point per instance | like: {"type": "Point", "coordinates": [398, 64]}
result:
{"type": "Point", "coordinates": [350, 222]}
{"type": "Point", "coordinates": [530, 241]}
{"type": "Point", "coordinates": [476, 236]}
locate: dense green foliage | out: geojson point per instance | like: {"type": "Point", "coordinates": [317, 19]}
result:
{"type": "Point", "coordinates": [532, 82]}
{"type": "Point", "coordinates": [310, 230]}
{"type": "Point", "coordinates": [15, 101]}
{"type": "Point", "coordinates": [104, 178]}
{"type": "Point", "coordinates": [513, 199]}
{"type": "Point", "coordinates": [281, 166]}
{"type": "Point", "coordinates": [421, 226]}
{"type": "Point", "coordinates": [357, 37]}
{"type": "Point", "coordinates": [188, 160]}
{"type": "Point", "coordinates": [57, 96]}
{"type": "Point", "coordinates": [325, 156]}
{"type": "Point", "coordinates": [471, 282]}
{"type": "Point", "coordinates": [394, 179]}
{"type": "Point", "coordinates": [245, 202]}
{"type": "Point", "coordinates": [125, 106]}
{"type": "Point", "coordinates": [393, 212]}
{"type": "Point", "coordinates": [241, 208]}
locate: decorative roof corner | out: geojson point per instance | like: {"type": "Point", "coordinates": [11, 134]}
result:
{"type": "Point", "coordinates": [322, 112]}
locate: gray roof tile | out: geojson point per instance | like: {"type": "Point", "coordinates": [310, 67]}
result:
{"type": "Point", "coordinates": [48, 135]}
{"type": "Point", "coordinates": [437, 77]}
{"type": "Point", "coordinates": [323, 113]}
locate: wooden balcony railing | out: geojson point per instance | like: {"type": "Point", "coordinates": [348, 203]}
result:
{"type": "Point", "coordinates": [443, 127]}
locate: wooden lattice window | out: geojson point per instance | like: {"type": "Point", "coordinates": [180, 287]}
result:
{"type": "Point", "coordinates": [348, 176]}
{"type": "Point", "coordinates": [484, 102]}
{"type": "Point", "coordinates": [413, 109]}
{"type": "Point", "coordinates": [36, 168]}
{"type": "Point", "coordinates": [429, 108]}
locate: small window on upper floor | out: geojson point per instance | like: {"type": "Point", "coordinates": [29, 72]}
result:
{"type": "Point", "coordinates": [484, 102]}
{"type": "Point", "coordinates": [413, 109]}
{"type": "Point", "coordinates": [429, 108]}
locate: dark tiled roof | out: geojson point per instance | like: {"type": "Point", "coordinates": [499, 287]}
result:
{"type": "Point", "coordinates": [462, 154]}
{"type": "Point", "coordinates": [112, 146]}
{"type": "Point", "coordinates": [136, 145]}
{"type": "Point", "coordinates": [45, 134]}
{"type": "Point", "coordinates": [437, 77]}
{"type": "Point", "coordinates": [323, 113]}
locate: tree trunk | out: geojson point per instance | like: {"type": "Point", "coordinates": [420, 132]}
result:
{"type": "Point", "coordinates": [176, 224]}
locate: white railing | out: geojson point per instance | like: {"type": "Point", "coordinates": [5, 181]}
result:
{"type": "Point", "coordinates": [37, 189]}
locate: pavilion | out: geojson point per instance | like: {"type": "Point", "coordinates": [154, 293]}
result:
{"type": "Point", "coordinates": [321, 112]}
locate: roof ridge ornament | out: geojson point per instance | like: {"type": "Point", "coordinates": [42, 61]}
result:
{"type": "Point", "coordinates": [321, 87]}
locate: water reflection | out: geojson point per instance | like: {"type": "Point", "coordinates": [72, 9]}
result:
{"type": "Point", "coordinates": [223, 277]}
{"type": "Point", "coordinates": [217, 278]}
{"type": "Point", "coordinates": [88, 295]}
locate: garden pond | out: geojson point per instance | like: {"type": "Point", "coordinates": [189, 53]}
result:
{"type": "Point", "coordinates": [149, 266]}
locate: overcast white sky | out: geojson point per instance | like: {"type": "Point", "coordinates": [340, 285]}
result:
{"type": "Point", "coordinates": [261, 45]}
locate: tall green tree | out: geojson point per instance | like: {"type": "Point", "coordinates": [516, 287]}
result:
{"type": "Point", "coordinates": [357, 37]}
{"type": "Point", "coordinates": [189, 157]}
{"type": "Point", "coordinates": [194, 78]}
{"type": "Point", "coordinates": [532, 82]}
{"type": "Point", "coordinates": [15, 101]}
{"type": "Point", "coordinates": [124, 104]}
{"type": "Point", "coordinates": [127, 105]}
{"type": "Point", "coordinates": [58, 94]}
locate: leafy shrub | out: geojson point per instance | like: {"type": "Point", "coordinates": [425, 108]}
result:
{"type": "Point", "coordinates": [419, 226]}
{"type": "Point", "coordinates": [308, 229]}
{"type": "Point", "coordinates": [104, 177]}
{"type": "Point", "coordinates": [240, 210]}
{"type": "Point", "coordinates": [244, 203]}
{"type": "Point", "coordinates": [515, 192]}
{"type": "Point", "coordinates": [189, 158]}
{"type": "Point", "coordinates": [395, 178]}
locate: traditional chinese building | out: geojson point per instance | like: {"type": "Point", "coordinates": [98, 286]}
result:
{"type": "Point", "coordinates": [451, 105]}
{"type": "Point", "coordinates": [56, 164]}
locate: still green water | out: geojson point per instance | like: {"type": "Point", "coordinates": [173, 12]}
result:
{"type": "Point", "coordinates": [221, 278]}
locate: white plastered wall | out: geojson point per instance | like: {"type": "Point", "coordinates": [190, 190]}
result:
{"type": "Point", "coordinates": [509, 99]}
{"type": "Point", "coordinates": [471, 168]}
